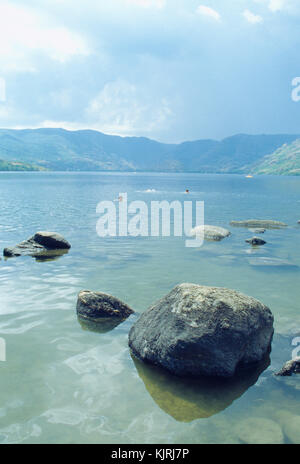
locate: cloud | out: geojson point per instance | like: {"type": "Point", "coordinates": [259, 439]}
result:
{"type": "Point", "coordinates": [123, 108]}
{"type": "Point", "coordinates": [252, 18]}
{"type": "Point", "coordinates": [24, 32]}
{"type": "Point", "coordinates": [208, 12]}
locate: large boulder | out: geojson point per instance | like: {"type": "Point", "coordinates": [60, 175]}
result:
{"type": "Point", "coordinates": [260, 223]}
{"type": "Point", "coordinates": [210, 233]}
{"type": "Point", "coordinates": [42, 244]}
{"type": "Point", "coordinates": [97, 305]}
{"type": "Point", "coordinates": [199, 331]}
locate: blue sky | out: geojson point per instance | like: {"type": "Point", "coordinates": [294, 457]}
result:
{"type": "Point", "coordinates": [171, 70]}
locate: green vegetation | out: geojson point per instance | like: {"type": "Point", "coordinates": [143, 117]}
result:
{"type": "Point", "coordinates": [18, 166]}
{"type": "Point", "coordinates": [285, 161]}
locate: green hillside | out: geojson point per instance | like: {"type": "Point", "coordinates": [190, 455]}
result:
{"type": "Point", "coordinates": [285, 161]}
{"type": "Point", "coordinates": [17, 166]}
{"type": "Point", "coordinates": [87, 150]}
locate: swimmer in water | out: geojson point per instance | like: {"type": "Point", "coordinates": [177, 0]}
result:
{"type": "Point", "coordinates": [119, 199]}
{"type": "Point", "coordinates": [187, 191]}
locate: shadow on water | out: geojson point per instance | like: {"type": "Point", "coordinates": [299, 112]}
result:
{"type": "Point", "coordinates": [189, 399]}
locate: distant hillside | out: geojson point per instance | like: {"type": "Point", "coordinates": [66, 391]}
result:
{"type": "Point", "coordinates": [17, 166]}
{"type": "Point", "coordinates": [87, 150]}
{"type": "Point", "coordinates": [285, 161]}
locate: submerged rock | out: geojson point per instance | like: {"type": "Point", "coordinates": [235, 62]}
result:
{"type": "Point", "coordinates": [261, 223]}
{"type": "Point", "coordinates": [290, 424]}
{"type": "Point", "coordinates": [258, 231]}
{"type": "Point", "coordinates": [256, 241]}
{"type": "Point", "coordinates": [199, 331]}
{"type": "Point", "coordinates": [264, 261]}
{"type": "Point", "coordinates": [97, 305]}
{"type": "Point", "coordinates": [290, 368]}
{"type": "Point", "coordinates": [260, 431]}
{"type": "Point", "coordinates": [210, 233]}
{"type": "Point", "coordinates": [41, 244]}
{"type": "Point", "coordinates": [189, 399]}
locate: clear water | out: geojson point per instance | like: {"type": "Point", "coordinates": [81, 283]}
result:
{"type": "Point", "coordinates": [63, 383]}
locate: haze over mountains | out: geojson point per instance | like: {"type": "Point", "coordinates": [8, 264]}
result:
{"type": "Point", "coordinates": [88, 150]}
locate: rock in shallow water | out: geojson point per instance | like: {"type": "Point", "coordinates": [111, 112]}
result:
{"type": "Point", "coordinates": [258, 231]}
{"type": "Point", "coordinates": [98, 305]}
{"type": "Point", "coordinates": [199, 331]}
{"type": "Point", "coordinates": [261, 223]}
{"type": "Point", "coordinates": [259, 431]}
{"type": "Point", "coordinates": [38, 245]}
{"type": "Point", "coordinates": [290, 368]}
{"type": "Point", "coordinates": [210, 233]}
{"type": "Point", "coordinates": [264, 261]}
{"type": "Point", "coordinates": [256, 241]}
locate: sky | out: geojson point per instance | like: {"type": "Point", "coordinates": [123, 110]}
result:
{"type": "Point", "coordinates": [171, 70]}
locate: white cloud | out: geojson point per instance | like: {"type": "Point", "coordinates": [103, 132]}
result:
{"type": "Point", "coordinates": [24, 32]}
{"type": "Point", "coordinates": [122, 108]}
{"type": "Point", "coordinates": [208, 12]}
{"type": "Point", "coordinates": [252, 18]}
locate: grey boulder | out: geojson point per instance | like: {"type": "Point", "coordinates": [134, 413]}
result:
{"type": "Point", "coordinates": [260, 223]}
{"type": "Point", "coordinates": [97, 305]}
{"type": "Point", "coordinates": [199, 331]}
{"type": "Point", "coordinates": [290, 368]}
{"type": "Point", "coordinates": [41, 244]}
{"type": "Point", "coordinates": [210, 233]}
{"type": "Point", "coordinates": [256, 241]}
{"type": "Point", "coordinates": [51, 241]}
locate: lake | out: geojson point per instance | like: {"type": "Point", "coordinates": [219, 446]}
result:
{"type": "Point", "coordinates": [66, 383]}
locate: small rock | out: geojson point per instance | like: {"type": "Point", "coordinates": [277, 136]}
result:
{"type": "Point", "coordinates": [210, 233]}
{"type": "Point", "coordinates": [199, 331]}
{"type": "Point", "coordinates": [256, 241]}
{"type": "Point", "coordinates": [97, 305]}
{"type": "Point", "coordinates": [38, 245]}
{"type": "Point", "coordinates": [253, 223]}
{"type": "Point", "coordinates": [257, 231]}
{"type": "Point", "coordinates": [290, 368]}
{"type": "Point", "coordinates": [259, 431]}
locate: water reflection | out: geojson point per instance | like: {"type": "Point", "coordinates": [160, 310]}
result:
{"type": "Point", "coordinates": [102, 325]}
{"type": "Point", "coordinates": [47, 255]}
{"type": "Point", "coordinates": [50, 255]}
{"type": "Point", "coordinates": [189, 399]}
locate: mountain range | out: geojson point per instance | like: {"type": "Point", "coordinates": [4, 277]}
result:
{"type": "Point", "coordinates": [88, 150]}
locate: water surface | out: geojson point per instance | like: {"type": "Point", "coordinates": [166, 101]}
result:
{"type": "Point", "coordinates": [63, 383]}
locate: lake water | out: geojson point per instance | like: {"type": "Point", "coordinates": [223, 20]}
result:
{"type": "Point", "coordinates": [64, 383]}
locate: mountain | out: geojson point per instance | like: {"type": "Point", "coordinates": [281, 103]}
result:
{"type": "Point", "coordinates": [285, 161]}
{"type": "Point", "coordinates": [18, 166]}
{"type": "Point", "coordinates": [88, 150]}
